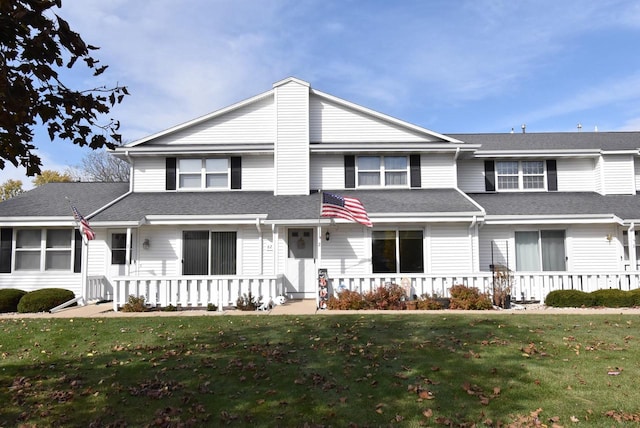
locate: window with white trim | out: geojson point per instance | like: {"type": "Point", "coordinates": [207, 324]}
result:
{"type": "Point", "coordinates": [44, 250]}
{"type": "Point", "coordinates": [520, 175]}
{"type": "Point", "coordinates": [397, 251]}
{"type": "Point", "coordinates": [210, 173]}
{"type": "Point", "coordinates": [382, 171]}
{"type": "Point", "coordinates": [540, 250]}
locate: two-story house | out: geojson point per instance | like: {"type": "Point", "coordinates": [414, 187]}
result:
{"type": "Point", "coordinates": [230, 203]}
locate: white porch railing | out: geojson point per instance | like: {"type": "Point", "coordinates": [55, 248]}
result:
{"type": "Point", "coordinates": [200, 291]}
{"type": "Point", "coordinates": [98, 288]}
{"type": "Point", "coordinates": [193, 291]}
{"type": "Point", "coordinates": [524, 285]}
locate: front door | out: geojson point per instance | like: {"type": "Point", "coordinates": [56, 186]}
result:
{"type": "Point", "coordinates": [301, 264]}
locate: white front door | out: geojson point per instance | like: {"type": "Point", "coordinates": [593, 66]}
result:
{"type": "Point", "coordinates": [301, 264]}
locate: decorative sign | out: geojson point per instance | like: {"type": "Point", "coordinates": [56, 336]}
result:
{"type": "Point", "coordinates": [323, 288]}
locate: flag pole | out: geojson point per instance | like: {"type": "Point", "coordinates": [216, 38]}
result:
{"type": "Point", "coordinates": [84, 256]}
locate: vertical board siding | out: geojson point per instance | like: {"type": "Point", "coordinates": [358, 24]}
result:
{"type": "Point", "coordinates": [327, 171]}
{"type": "Point", "coordinates": [333, 123]}
{"type": "Point", "coordinates": [576, 175]}
{"type": "Point", "coordinates": [471, 176]}
{"type": "Point", "coordinates": [149, 174]}
{"type": "Point", "coordinates": [292, 140]}
{"type": "Point", "coordinates": [450, 248]}
{"type": "Point", "coordinates": [257, 173]}
{"type": "Point", "coordinates": [438, 171]}
{"type": "Point", "coordinates": [618, 174]}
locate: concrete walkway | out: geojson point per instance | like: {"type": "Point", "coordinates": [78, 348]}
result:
{"type": "Point", "coordinates": [297, 307]}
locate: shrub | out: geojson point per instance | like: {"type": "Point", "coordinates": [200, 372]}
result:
{"type": "Point", "coordinates": [426, 302]}
{"type": "Point", "coordinates": [135, 304]}
{"type": "Point", "coordinates": [636, 296]}
{"type": "Point", "coordinates": [44, 300]}
{"type": "Point", "coordinates": [386, 297]}
{"type": "Point", "coordinates": [247, 302]}
{"type": "Point", "coordinates": [468, 298]}
{"type": "Point", "coordinates": [613, 298]}
{"type": "Point", "coordinates": [170, 308]}
{"type": "Point", "coordinates": [212, 307]}
{"type": "Point", "coordinates": [9, 298]}
{"type": "Point", "coordinates": [347, 300]}
{"type": "Point", "coordinates": [569, 299]}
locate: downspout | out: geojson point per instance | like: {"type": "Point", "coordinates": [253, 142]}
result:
{"type": "Point", "coordinates": [472, 234]}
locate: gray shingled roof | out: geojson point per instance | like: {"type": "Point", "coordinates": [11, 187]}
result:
{"type": "Point", "coordinates": [559, 203]}
{"type": "Point", "coordinates": [305, 207]}
{"type": "Point", "coordinates": [50, 199]}
{"type": "Point", "coordinates": [553, 141]}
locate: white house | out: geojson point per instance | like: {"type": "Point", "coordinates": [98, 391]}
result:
{"type": "Point", "coordinates": [230, 203]}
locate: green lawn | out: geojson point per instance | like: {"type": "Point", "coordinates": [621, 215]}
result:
{"type": "Point", "coordinates": [435, 369]}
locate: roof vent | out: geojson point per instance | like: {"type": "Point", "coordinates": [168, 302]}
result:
{"type": "Point", "coordinates": [579, 127]}
{"type": "Point", "coordinates": [524, 128]}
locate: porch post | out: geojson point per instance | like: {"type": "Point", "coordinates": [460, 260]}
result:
{"type": "Point", "coordinates": [631, 238]}
{"type": "Point", "coordinates": [127, 256]}
{"type": "Point", "coordinates": [84, 266]}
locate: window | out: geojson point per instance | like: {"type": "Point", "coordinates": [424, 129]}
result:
{"type": "Point", "coordinates": [536, 249]}
{"type": "Point", "coordinates": [625, 243]}
{"type": "Point", "coordinates": [209, 253]}
{"type": "Point", "coordinates": [396, 251]}
{"type": "Point", "coordinates": [382, 171]}
{"type": "Point", "coordinates": [203, 173]}
{"type": "Point", "coordinates": [520, 175]}
{"type": "Point", "coordinates": [118, 248]}
{"type": "Point", "coordinates": [48, 248]}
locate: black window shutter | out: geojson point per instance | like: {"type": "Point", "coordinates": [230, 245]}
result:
{"type": "Point", "coordinates": [349, 172]}
{"type": "Point", "coordinates": [171, 174]}
{"type": "Point", "coordinates": [236, 172]}
{"type": "Point", "coordinates": [552, 175]}
{"type": "Point", "coordinates": [77, 260]}
{"type": "Point", "coordinates": [489, 176]}
{"type": "Point", "coordinates": [414, 166]}
{"type": "Point", "coordinates": [6, 236]}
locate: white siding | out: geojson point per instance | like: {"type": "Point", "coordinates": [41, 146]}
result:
{"type": "Point", "coordinates": [501, 252]}
{"type": "Point", "coordinates": [450, 249]}
{"type": "Point", "coordinates": [164, 255]}
{"type": "Point", "coordinates": [252, 255]}
{"type": "Point", "coordinates": [618, 174]}
{"type": "Point", "coordinates": [636, 168]}
{"type": "Point", "coordinates": [149, 174]}
{"type": "Point", "coordinates": [437, 171]}
{"type": "Point", "coordinates": [471, 176]}
{"type": "Point", "coordinates": [576, 175]}
{"type": "Point", "coordinates": [598, 175]}
{"type": "Point", "coordinates": [292, 140]}
{"type": "Point", "coordinates": [252, 123]}
{"type": "Point", "coordinates": [347, 252]}
{"type": "Point", "coordinates": [333, 123]}
{"type": "Point", "coordinates": [589, 250]}
{"type": "Point", "coordinates": [327, 172]}
{"type": "Point", "coordinates": [98, 255]}
{"type": "Point", "coordinates": [257, 172]}
{"type": "Point", "coordinates": [35, 281]}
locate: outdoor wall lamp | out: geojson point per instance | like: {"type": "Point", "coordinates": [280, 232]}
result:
{"type": "Point", "coordinates": [327, 236]}
{"type": "Point", "coordinates": [146, 244]}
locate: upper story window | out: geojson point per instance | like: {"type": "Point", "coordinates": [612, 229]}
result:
{"type": "Point", "coordinates": [383, 171]}
{"type": "Point", "coordinates": [210, 173]}
{"type": "Point", "coordinates": [520, 175]}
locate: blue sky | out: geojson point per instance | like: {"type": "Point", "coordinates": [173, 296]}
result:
{"type": "Point", "coordinates": [449, 66]}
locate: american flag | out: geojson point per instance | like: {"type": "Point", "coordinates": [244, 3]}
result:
{"type": "Point", "coordinates": [83, 224]}
{"type": "Point", "coordinates": [344, 207]}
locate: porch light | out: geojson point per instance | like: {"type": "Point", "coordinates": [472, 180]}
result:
{"type": "Point", "coordinates": [146, 244]}
{"type": "Point", "coordinates": [327, 236]}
